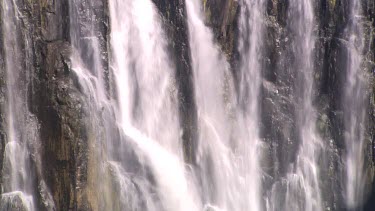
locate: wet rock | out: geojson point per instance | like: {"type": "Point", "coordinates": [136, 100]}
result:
{"type": "Point", "coordinates": [173, 14]}
{"type": "Point", "coordinates": [278, 129]}
{"type": "Point", "coordinates": [56, 99]}
{"type": "Point", "coordinates": [59, 106]}
{"type": "Point", "coordinates": [221, 16]}
{"type": "Point", "coordinates": [15, 201]}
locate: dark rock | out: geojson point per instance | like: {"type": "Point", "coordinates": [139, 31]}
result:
{"type": "Point", "coordinates": [55, 96]}
{"type": "Point", "coordinates": [173, 14]}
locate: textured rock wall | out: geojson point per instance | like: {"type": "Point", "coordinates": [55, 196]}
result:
{"type": "Point", "coordinates": [277, 90]}
{"type": "Point", "coordinates": [56, 99]}
{"type": "Point", "coordinates": [57, 103]}
{"type": "Point", "coordinates": [173, 14]}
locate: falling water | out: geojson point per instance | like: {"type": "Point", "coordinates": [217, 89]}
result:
{"type": "Point", "coordinates": [87, 63]}
{"type": "Point", "coordinates": [18, 173]}
{"type": "Point", "coordinates": [354, 109]}
{"type": "Point", "coordinates": [131, 111]}
{"type": "Point", "coordinates": [148, 99]}
{"type": "Point", "coordinates": [228, 138]}
{"type": "Point", "coordinates": [303, 191]}
{"type": "Point", "coordinates": [302, 181]}
{"type": "Point", "coordinates": [145, 159]}
{"type": "Point", "coordinates": [250, 47]}
{"type": "Point", "coordinates": [213, 153]}
{"type": "Point", "coordinates": [143, 110]}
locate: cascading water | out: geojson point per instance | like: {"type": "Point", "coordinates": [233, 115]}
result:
{"type": "Point", "coordinates": [302, 180]}
{"type": "Point", "coordinates": [251, 29]}
{"type": "Point", "coordinates": [147, 107]}
{"type": "Point", "coordinates": [21, 158]}
{"type": "Point", "coordinates": [213, 154]}
{"type": "Point", "coordinates": [227, 153]}
{"type": "Point", "coordinates": [127, 87]}
{"type": "Point", "coordinates": [303, 191]}
{"type": "Point", "coordinates": [354, 104]}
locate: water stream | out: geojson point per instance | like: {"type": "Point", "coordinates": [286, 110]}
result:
{"type": "Point", "coordinates": [354, 104]}
{"type": "Point", "coordinates": [301, 182]}
{"type": "Point", "coordinates": [303, 191]}
{"type": "Point", "coordinates": [147, 107]}
{"type": "Point", "coordinates": [21, 161]}
{"type": "Point", "coordinates": [133, 121]}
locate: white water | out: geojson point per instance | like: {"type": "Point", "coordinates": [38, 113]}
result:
{"type": "Point", "coordinates": [228, 175]}
{"type": "Point", "coordinates": [144, 76]}
{"type": "Point", "coordinates": [148, 98]}
{"type": "Point", "coordinates": [354, 104]}
{"type": "Point", "coordinates": [134, 132]}
{"type": "Point", "coordinates": [227, 153]}
{"type": "Point", "coordinates": [145, 110]}
{"type": "Point", "coordinates": [18, 174]}
{"type": "Point", "coordinates": [251, 28]}
{"type": "Point", "coordinates": [303, 191]}
{"type": "Point", "coordinates": [300, 189]}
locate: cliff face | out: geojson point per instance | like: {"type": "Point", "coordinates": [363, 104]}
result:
{"type": "Point", "coordinates": [173, 14]}
{"type": "Point", "coordinates": [277, 101]}
{"type": "Point", "coordinates": [56, 99]}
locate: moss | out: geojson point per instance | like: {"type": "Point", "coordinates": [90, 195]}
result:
{"type": "Point", "coordinates": [43, 4]}
{"type": "Point", "coordinates": [207, 11]}
{"type": "Point", "coordinates": [332, 4]}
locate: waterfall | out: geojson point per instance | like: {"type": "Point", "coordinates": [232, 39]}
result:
{"type": "Point", "coordinates": [303, 191]}
{"type": "Point", "coordinates": [144, 160]}
{"type": "Point", "coordinates": [251, 29]}
{"type": "Point", "coordinates": [126, 138]}
{"type": "Point", "coordinates": [214, 156]}
{"type": "Point", "coordinates": [301, 182]}
{"type": "Point", "coordinates": [354, 104]}
{"type": "Point", "coordinates": [148, 99]}
{"type": "Point", "coordinates": [21, 162]}
{"type": "Point", "coordinates": [227, 153]}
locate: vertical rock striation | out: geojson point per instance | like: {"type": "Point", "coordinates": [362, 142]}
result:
{"type": "Point", "coordinates": [331, 19]}
{"type": "Point", "coordinates": [174, 18]}
{"type": "Point", "coordinates": [55, 97]}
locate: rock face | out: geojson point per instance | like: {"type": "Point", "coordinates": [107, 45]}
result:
{"type": "Point", "coordinates": [56, 100]}
{"type": "Point", "coordinates": [59, 106]}
{"type": "Point", "coordinates": [277, 102]}
{"type": "Point", "coordinates": [174, 17]}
